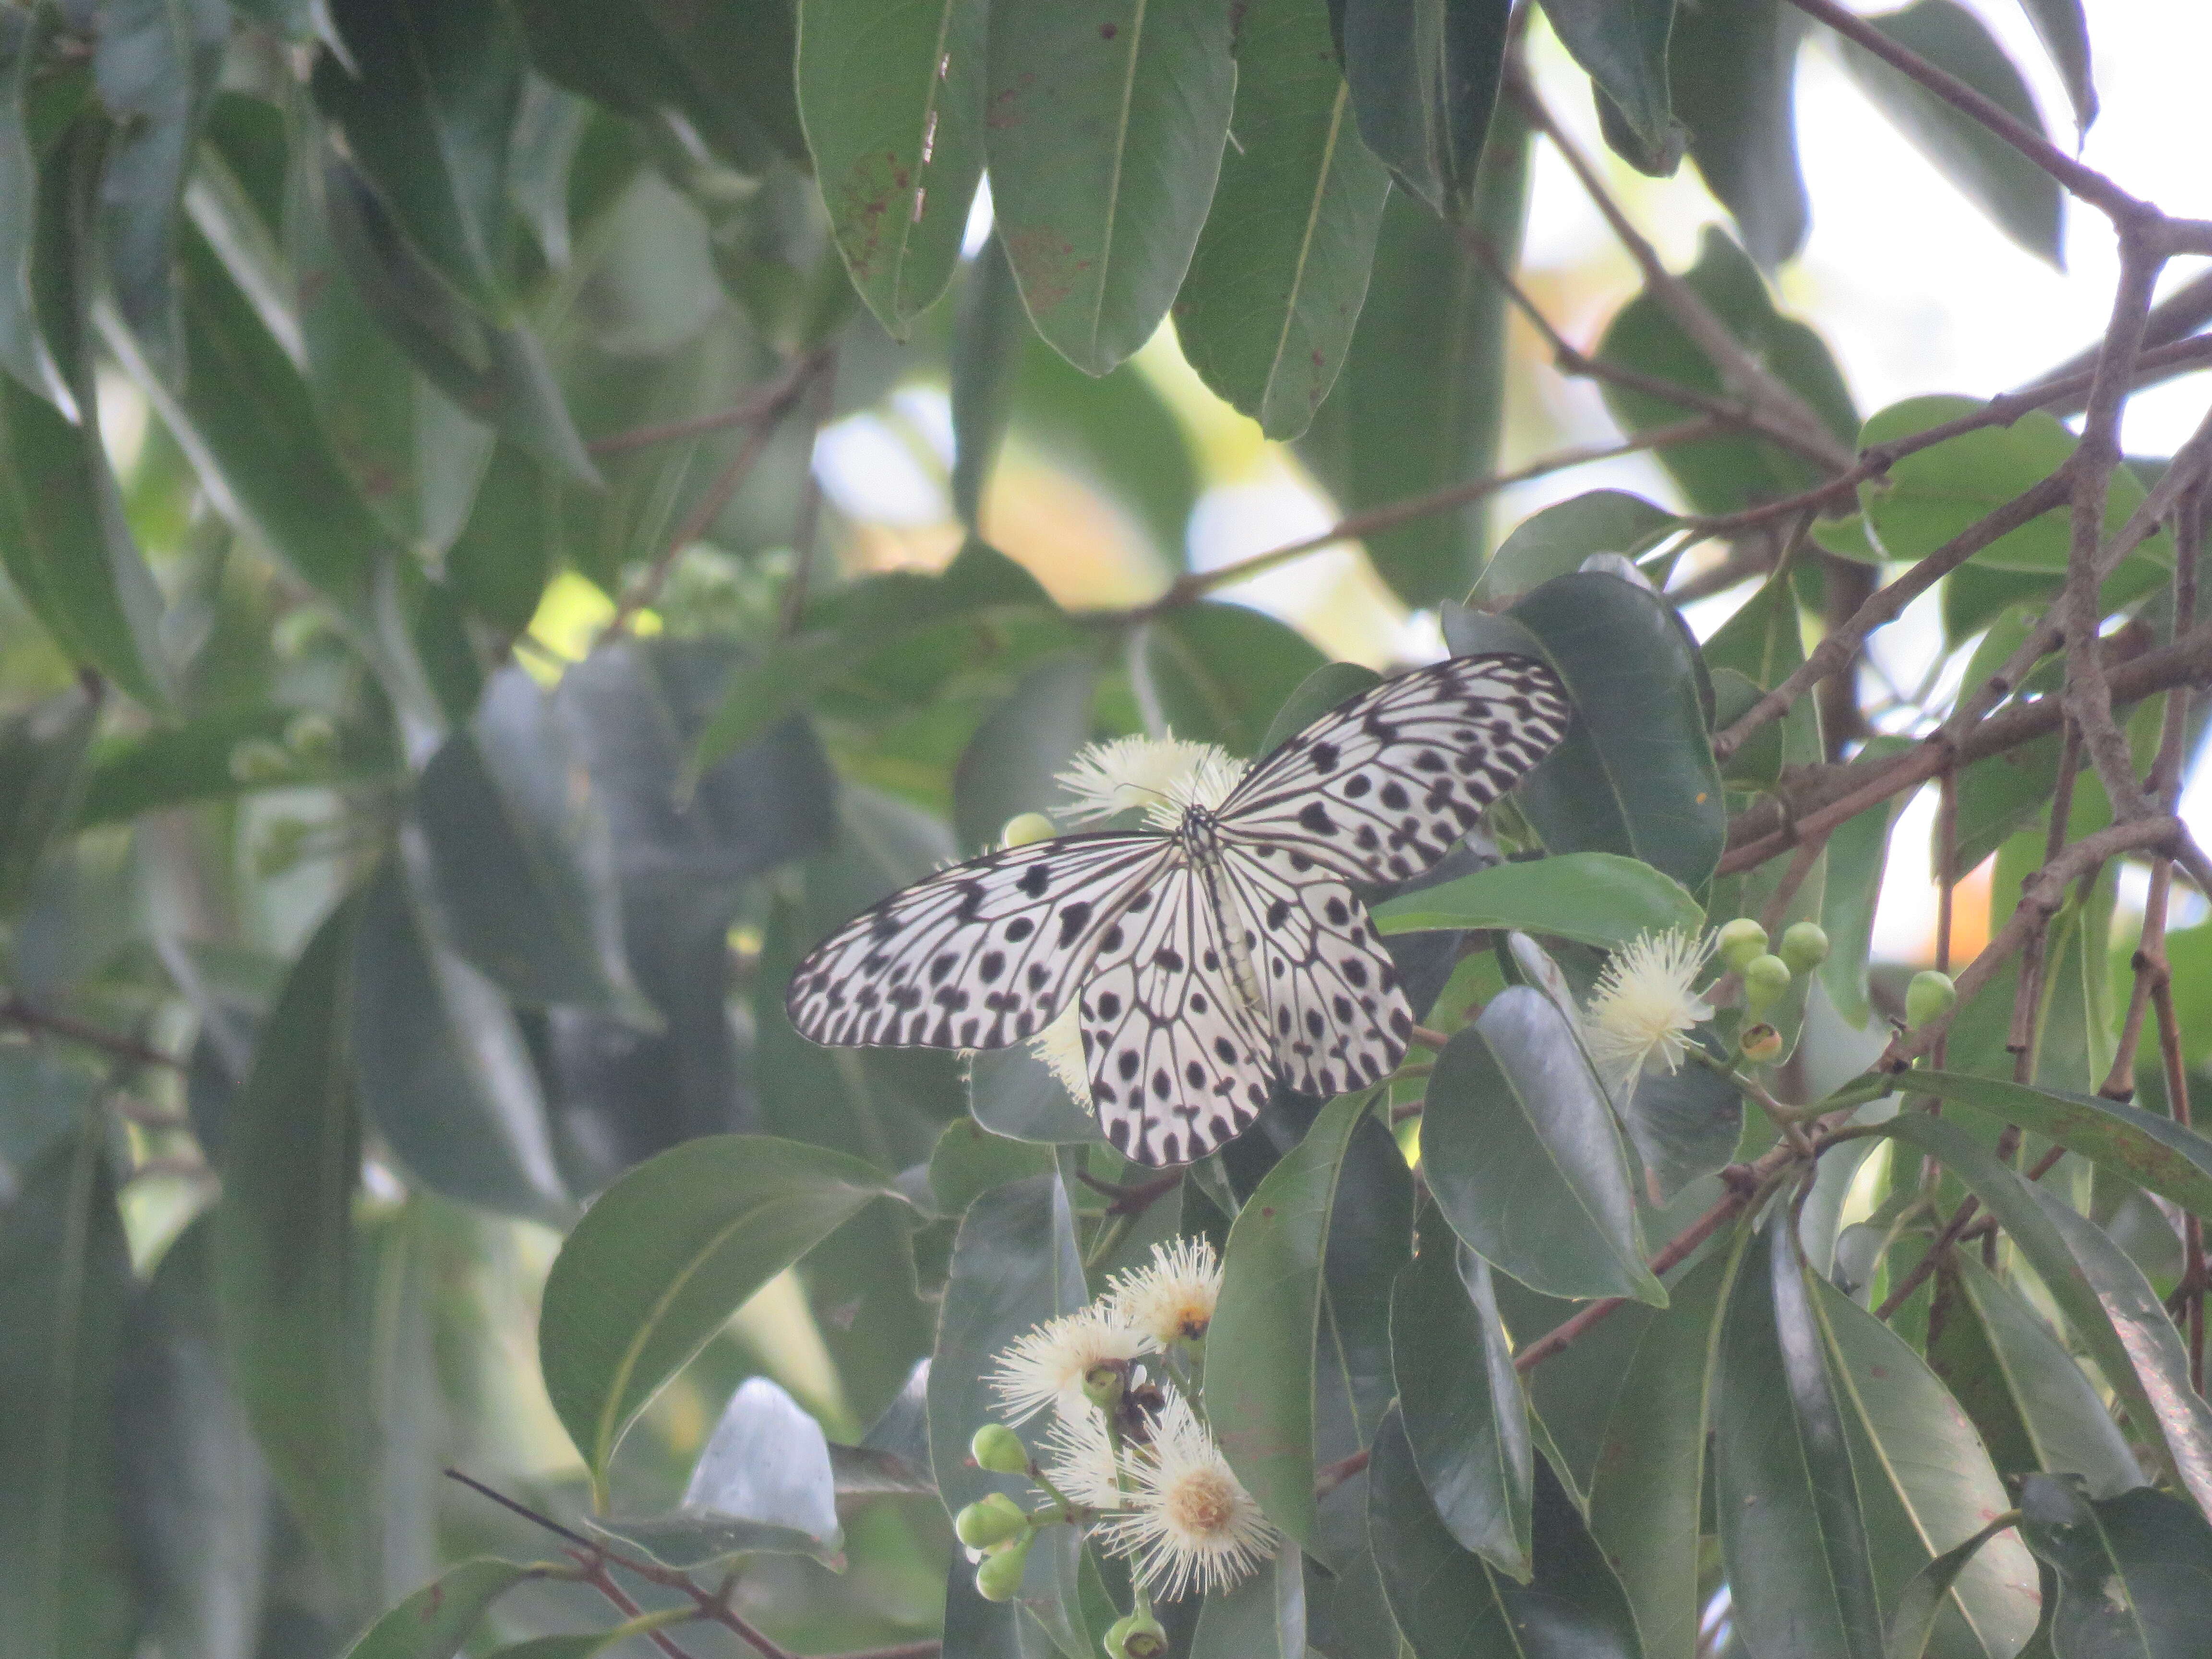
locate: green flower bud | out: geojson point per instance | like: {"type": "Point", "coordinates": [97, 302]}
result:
{"type": "Point", "coordinates": [297, 632]}
{"type": "Point", "coordinates": [1136, 1636]}
{"type": "Point", "coordinates": [1000, 1450]}
{"type": "Point", "coordinates": [999, 1577]}
{"type": "Point", "coordinates": [991, 1520]}
{"type": "Point", "coordinates": [1804, 946]}
{"type": "Point", "coordinates": [1760, 1043]}
{"type": "Point", "coordinates": [311, 737]}
{"type": "Point", "coordinates": [1930, 996]}
{"type": "Point", "coordinates": [1765, 979]}
{"type": "Point", "coordinates": [1103, 1385]}
{"type": "Point", "coordinates": [1024, 827]}
{"type": "Point", "coordinates": [257, 760]}
{"type": "Point", "coordinates": [1741, 942]}
{"type": "Point", "coordinates": [282, 842]}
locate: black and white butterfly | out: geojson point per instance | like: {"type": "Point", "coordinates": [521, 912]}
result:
{"type": "Point", "coordinates": [1209, 960]}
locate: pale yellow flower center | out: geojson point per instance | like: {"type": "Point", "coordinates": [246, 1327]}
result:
{"type": "Point", "coordinates": [1202, 1504]}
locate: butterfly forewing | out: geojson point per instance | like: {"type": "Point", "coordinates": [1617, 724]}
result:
{"type": "Point", "coordinates": [981, 954]}
{"type": "Point", "coordinates": [1380, 788]}
{"type": "Point", "coordinates": [1178, 1057]}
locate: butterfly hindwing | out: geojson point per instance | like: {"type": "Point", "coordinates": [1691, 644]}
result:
{"type": "Point", "coordinates": [981, 954]}
{"type": "Point", "coordinates": [1178, 1059]}
{"type": "Point", "coordinates": [1381, 787]}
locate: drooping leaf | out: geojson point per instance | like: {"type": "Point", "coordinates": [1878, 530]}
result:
{"type": "Point", "coordinates": [1218, 672]}
{"type": "Point", "coordinates": [1623, 46]}
{"type": "Point", "coordinates": [42, 777]}
{"type": "Point", "coordinates": [1021, 746]}
{"type": "Point", "coordinates": [1858, 851]}
{"type": "Point", "coordinates": [666, 1256]}
{"type": "Point", "coordinates": [1912, 1622]}
{"type": "Point", "coordinates": [1319, 692]}
{"type": "Point", "coordinates": [1262, 1617]}
{"type": "Point", "coordinates": [2131, 1571]}
{"type": "Point", "coordinates": [436, 1620]}
{"type": "Point", "coordinates": [1013, 1093]}
{"type": "Point", "coordinates": [1560, 539]}
{"type": "Point", "coordinates": [1733, 68]}
{"type": "Point", "coordinates": [2065, 35]}
{"type": "Point", "coordinates": [1423, 79]}
{"type": "Point", "coordinates": [1104, 134]}
{"type": "Point", "coordinates": [1594, 898]}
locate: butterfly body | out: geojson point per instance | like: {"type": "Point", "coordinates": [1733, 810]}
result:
{"type": "Point", "coordinates": [1210, 961]}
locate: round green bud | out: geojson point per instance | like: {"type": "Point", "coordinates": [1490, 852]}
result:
{"type": "Point", "coordinates": [1000, 1450]}
{"type": "Point", "coordinates": [1765, 979]}
{"type": "Point", "coordinates": [989, 1520]}
{"type": "Point", "coordinates": [258, 760]}
{"type": "Point", "coordinates": [1804, 946]}
{"type": "Point", "coordinates": [999, 1577]}
{"type": "Point", "coordinates": [283, 841]}
{"type": "Point", "coordinates": [1024, 827]}
{"type": "Point", "coordinates": [1930, 996]}
{"type": "Point", "coordinates": [297, 632]}
{"type": "Point", "coordinates": [1760, 1043]}
{"type": "Point", "coordinates": [311, 737]}
{"type": "Point", "coordinates": [1741, 941]}
{"type": "Point", "coordinates": [1104, 1386]}
{"type": "Point", "coordinates": [1136, 1636]}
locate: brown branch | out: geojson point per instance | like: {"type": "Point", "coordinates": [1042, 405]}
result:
{"type": "Point", "coordinates": [2178, 315]}
{"type": "Point", "coordinates": [821, 401]}
{"type": "Point", "coordinates": [15, 1011]}
{"type": "Point", "coordinates": [764, 404]}
{"type": "Point", "coordinates": [594, 1566]}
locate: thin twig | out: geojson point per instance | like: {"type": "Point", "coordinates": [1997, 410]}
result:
{"type": "Point", "coordinates": [768, 401]}
{"type": "Point", "coordinates": [805, 528]}
{"type": "Point", "coordinates": [15, 1011]}
{"type": "Point", "coordinates": [594, 1566]}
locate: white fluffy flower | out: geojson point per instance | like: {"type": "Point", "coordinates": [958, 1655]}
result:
{"type": "Point", "coordinates": [1045, 1367]}
{"type": "Point", "coordinates": [1060, 1046]}
{"type": "Point", "coordinates": [1163, 776]}
{"type": "Point", "coordinates": [1642, 1012]}
{"type": "Point", "coordinates": [1079, 1459]}
{"type": "Point", "coordinates": [1191, 1525]}
{"type": "Point", "coordinates": [1171, 1300]}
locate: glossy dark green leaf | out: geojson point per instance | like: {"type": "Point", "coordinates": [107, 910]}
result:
{"type": "Point", "coordinates": [1753, 651]}
{"type": "Point", "coordinates": [666, 1256]}
{"type": "Point", "coordinates": [1420, 404]}
{"type": "Point", "coordinates": [2102, 1295]}
{"type": "Point", "coordinates": [1594, 898]}
{"type": "Point", "coordinates": [2132, 1571]}
{"type": "Point", "coordinates": [1912, 1622]}
{"type": "Point", "coordinates": [1331, 684]}
{"type": "Point", "coordinates": [1721, 475]}
{"type": "Point", "coordinates": [1266, 314]}
{"type": "Point", "coordinates": [428, 98]}
{"type": "Point", "coordinates": [1105, 132]}
{"type": "Point", "coordinates": [1792, 1533]}
{"type": "Point", "coordinates": [23, 350]}
{"type": "Point", "coordinates": [66, 1590]}
{"type": "Point", "coordinates": [1465, 1421]}
{"type": "Point", "coordinates": [1260, 1348]}
{"type": "Point", "coordinates": [1262, 1617]}
{"type": "Point", "coordinates": [1521, 1151]}
{"type": "Point", "coordinates": [42, 777]}
{"type": "Point", "coordinates": [1011, 1092]}
{"type": "Point", "coordinates": [499, 563]}
{"type": "Point", "coordinates": [1623, 46]}
{"type": "Point", "coordinates": [1732, 66]}
{"type": "Point", "coordinates": [1023, 745]}
{"type": "Point", "coordinates": [441, 1067]}
{"type": "Point", "coordinates": [893, 103]}
{"type": "Point", "coordinates": [2065, 35]}
{"type": "Point", "coordinates": [1556, 541]}
{"type": "Point", "coordinates": [522, 858]}
{"type": "Point", "coordinates": [1423, 78]}
{"type": "Point", "coordinates": [1218, 672]}
{"type": "Point", "coordinates": [1635, 774]}
{"type": "Point", "coordinates": [1651, 1467]}
{"type": "Point", "coordinates": [436, 1620]}
{"type": "Point", "coordinates": [968, 1160]}
{"type": "Point", "coordinates": [1925, 1449]}
{"type": "Point", "coordinates": [1370, 1240]}
{"type": "Point", "coordinates": [1683, 1124]}
{"type": "Point", "coordinates": [285, 1250]}
{"type": "Point", "coordinates": [2024, 201]}
{"type": "Point", "coordinates": [155, 67]}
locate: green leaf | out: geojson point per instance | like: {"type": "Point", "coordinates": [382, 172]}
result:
{"type": "Point", "coordinates": [66, 1589]}
{"type": "Point", "coordinates": [2147, 1148]}
{"type": "Point", "coordinates": [990, 332]}
{"type": "Point", "coordinates": [1465, 1422]}
{"type": "Point", "coordinates": [1635, 774]}
{"type": "Point", "coordinates": [1723, 474]}
{"type": "Point", "coordinates": [1105, 133]}
{"type": "Point", "coordinates": [1623, 46]}
{"type": "Point", "coordinates": [1793, 1538]}
{"type": "Point", "coordinates": [155, 67]}
{"type": "Point", "coordinates": [1260, 1348]}
{"type": "Point", "coordinates": [1521, 1151]}
{"type": "Point", "coordinates": [1932, 495]}
{"type": "Point", "coordinates": [2020, 198]}
{"type": "Point", "coordinates": [498, 564]}
{"type": "Point", "coordinates": [1858, 851]}
{"type": "Point", "coordinates": [1912, 1622]}
{"type": "Point", "coordinates": [2099, 1291]}
{"type": "Point", "coordinates": [436, 1620]}
{"type": "Point", "coordinates": [1266, 314]}
{"type": "Point", "coordinates": [1023, 745]}
{"type": "Point", "coordinates": [665, 1256]}
{"type": "Point", "coordinates": [1556, 542]}
{"type": "Point", "coordinates": [968, 1160]}
{"type": "Point", "coordinates": [1651, 1468]}
{"type": "Point", "coordinates": [284, 1251]}
{"type": "Point", "coordinates": [441, 1067]}
{"type": "Point", "coordinates": [2065, 35]}
{"type": "Point", "coordinates": [1732, 67]}
{"type": "Point", "coordinates": [1424, 76]}
{"type": "Point", "coordinates": [1262, 1617]}
{"type": "Point", "coordinates": [2132, 1571]}
{"type": "Point", "coordinates": [1593, 898]}
{"type": "Point", "coordinates": [1012, 1093]}
{"type": "Point", "coordinates": [42, 776]}
{"type": "Point", "coordinates": [892, 99]}
{"type": "Point", "coordinates": [1219, 672]}
{"type": "Point", "coordinates": [23, 350]}
{"type": "Point", "coordinates": [1926, 1451]}
{"type": "Point", "coordinates": [1331, 684]}
{"type": "Point", "coordinates": [522, 858]}
{"type": "Point", "coordinates": [428, 98]}
{"type": "Point", "coordinates": [1683, 1124]}
{"type": "Point", "coordinates": [1419, 403]}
